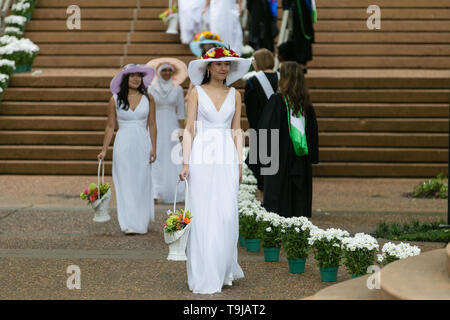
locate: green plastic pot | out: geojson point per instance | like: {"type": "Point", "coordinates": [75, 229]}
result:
{"type": "Point", "coordinates": [20, 68]}
{"type": "Point", "coordinates": [253, 245]}
{"type": "Point", "coordinates": [271, 254]}
{"type": "Point", "coordinates": [328, 274]}
{"type": "Point", "coordinates": [297, 265]}
{"type": "Point", "coordinates": [241, 241]}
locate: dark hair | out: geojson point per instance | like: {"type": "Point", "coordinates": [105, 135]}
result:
{"type": "Point", "coordinates": [122, 96]}
{"type": "Point", "coordinates": [292, 85]}
{"type": "Point", "coordinates": [286, 51]}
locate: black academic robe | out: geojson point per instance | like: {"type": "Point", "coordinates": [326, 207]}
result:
{"type": "Point", "coordinates": [303, 46]}
{"type": "Point", "coordinates": [289, 191]}
{"type": "Point", "coordinates": [255, 99]}
{"type": "Point", "coordinates": [262, 27]}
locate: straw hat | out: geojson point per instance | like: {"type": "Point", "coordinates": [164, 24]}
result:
{"type": "Point", "coordinates": [180, 74]}
{"type": "Point", "coordinates": [238, 67]}
{"type": "Point", "coordinates": [147, 73]}
{"type": "Point", "coordinates": [206, 37]}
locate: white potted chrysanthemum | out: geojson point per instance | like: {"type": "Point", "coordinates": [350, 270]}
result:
{"type": "Point", "coordinates": [22, 51]}
{"type": "Point", "coordinates": [392, 252]}
{"type": "Point", "coordinates": [359, 253]}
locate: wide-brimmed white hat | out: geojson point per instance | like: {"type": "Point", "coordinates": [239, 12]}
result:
{"type": "Point", "coordinates": [238, 67]}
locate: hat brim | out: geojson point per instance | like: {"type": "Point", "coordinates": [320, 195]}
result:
{"type": "Point", "coordinates": [181, 71]}
{"type": "Point", "coordinates": [196, 46]}
{"type": "Point", "coordinates": [147, 76]}
{"type": "Point", "coordinates": [238, 68]}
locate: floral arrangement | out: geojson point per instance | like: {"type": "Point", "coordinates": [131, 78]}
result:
{"type": "Point", "coordinates": [295, 232]}
{"type": "Point", "coordinates": [13, 31]}
{"type": "Point", "coordinates": [177, 221]}
{"type": "Point", "coordinates": [432, 188]}
{"type": "Point", "coordinates": [270, 229]}
{"type": "Point", "coordinates": [21, 7]}
{"type": "Point", "coordinates": [220, 53]}
{"type": "Point", "coordinates": [168, 12]}
{"type": "Point", "coordinates": [392, 252]}
{"type": "Point", "coordinates": [16, 21]}
{"type": "Point", "coordinates": [7, 66]}
{"type": "Point", "coordinates": [22, 51]}
{"type": "Point", "coordinates": [327, 245]}
{"type": "Point", "coordinates": [91, 193]}
{"type": "Point", "coordinates": [249, 215]}
{"type": "Point", "coordinates": [206, 35]}
{"type": "Point", "coordinates": [4, 80]}
{"type": "Point", "coordinates": [359, 253]}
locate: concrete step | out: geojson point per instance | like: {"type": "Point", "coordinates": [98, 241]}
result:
{"type": "Point", "coordinates": [386, 26]}
{"type": "Point", "coordinates": [383, 139]}
{"type": "Point", "coordinates": [54, 108]}
{"type": "Point", "coordinates": [423, 277]}
{"type": "Point", "coordinates": [113, 49]}
{"type": "Point", "coordinates": [429, 155]}
{"type": "Point", "coordinates": [84, 167]}
{"type": "Point", "coordinates": [400, 155]}
{"type": "Point", "coordinates": [95, 14]}
{"type": "Point", "coordinates": [382, 37]}
{"type": "Point", "coordinates": [406, 13]}
{"type": "Point", "coordinates": [54, 38]}
{"type": "Point", "coordinates": [326, 139]}
{"type": "Point", "coordinates": [321, 49]}
{"type": "Point", "coordinates": [97, 25]}
{"type": "Point", "coordinates": [362, 169]}
{"type": "Point", "coordinates": [317, 95]}
{"type": "Point", "coordinates": [317, 78]}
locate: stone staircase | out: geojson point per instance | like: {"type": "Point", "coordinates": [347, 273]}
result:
{"type": "Point", "coordinates": [381, 96]}
{"type": "Point", "coordinates": [423, 277]}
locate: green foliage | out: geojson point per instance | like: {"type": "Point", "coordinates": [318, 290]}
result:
{"type": "Point", "coordinates": [328, 253]}
{"type": "Point", "coordinates": [248, 226]}
{"type": "Point", "coordinates": [5, 69]}
{"type": "Point", "coordinates": [432, 188]}
{"type": "Point", "coordinates": [359, 260]}
{"type": "Point", "coordinates": [270, 235]}
{"type": "Point", "coordinates": [413, 231]}
{"type": "Point", "coordinates": [295, 244]}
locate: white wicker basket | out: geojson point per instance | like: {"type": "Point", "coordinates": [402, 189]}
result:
{"type": "Point", "coordinates": [100, 206]}
{"type": "Point", "coordinates": [177, 241]}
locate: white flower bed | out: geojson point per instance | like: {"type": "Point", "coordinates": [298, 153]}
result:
{"type": "Point", "coordinates": [360, 241]}
{"type": "Point", "coordinates": [17, 20]}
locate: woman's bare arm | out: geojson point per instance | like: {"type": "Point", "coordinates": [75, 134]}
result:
{"type": "Point", "coordinates": [189, 130]}
{"type": "Point", "coordinates": [110, 127]}
{"type": "Point", "coordinates": [152, 127]}
{"type": "Point", "coordinates": [236, 127]}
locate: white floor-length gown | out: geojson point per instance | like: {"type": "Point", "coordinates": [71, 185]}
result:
{"type": "Point", "coordinates": [224, 20]}
{"type": "Point", "coordinates": [132, 171]}
{"type": "Point", "coordinates": [190, 18]}
{"type": "Point", "coordinates": [169, 157]}
{"type": "Point", "coordinates": [213, 191]}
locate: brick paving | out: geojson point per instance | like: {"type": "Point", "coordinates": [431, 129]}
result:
{"type": "Point", "coordinates": [44, 228]}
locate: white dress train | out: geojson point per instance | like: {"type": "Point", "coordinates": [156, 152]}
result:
{"type": "Point", "coordinates": [169, 156]}
{"type": "Point", "coordinates": [224, 20]}
{"type": "Point", "coordinates": [190, 18]}
{"type": "Point", "coordinates": [131, 172]}
{"type": "Point", "coordinates": [213, 194]}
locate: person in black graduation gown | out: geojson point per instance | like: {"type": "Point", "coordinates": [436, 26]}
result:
{"type": "Point", "coordinates": [255, 99]}
{"type": "Point", "coordinates": [289, 191]}
{"type": "Point", "coordinates": [303, 33]}
{"type": "Point", "coordinates": [262, 26]}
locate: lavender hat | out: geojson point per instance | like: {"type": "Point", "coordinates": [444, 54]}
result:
{"type": "Point", "coordinates": [147, 72]}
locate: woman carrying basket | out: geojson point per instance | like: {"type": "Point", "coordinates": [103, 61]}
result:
{"type": "Point", "coordinates": [212, 163]}
{"type": "Point", "coordinates": [134, 146]}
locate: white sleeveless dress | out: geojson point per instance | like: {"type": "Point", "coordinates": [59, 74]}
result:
{"type": "Point", "coordinates": [213, 191]}
{"type": "Point", "coordinates": [224, 20]}
{"type": "Point", "coordinates": [190, 18]}
{"type": "Point", "coordinates": [132, 171]}
{"type": "Point", "coordinates": [169, 156]}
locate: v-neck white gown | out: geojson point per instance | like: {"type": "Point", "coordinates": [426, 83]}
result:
{"type": "Point", "coordinates": [213, 194]}
{"type": "Point", "coordinates": [132, 174]}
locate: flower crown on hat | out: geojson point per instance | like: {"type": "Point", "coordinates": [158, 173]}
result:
{"type": "Point", "coordinates": [220, 53]}
{"type": "Point", "coordinates": [207, 35]}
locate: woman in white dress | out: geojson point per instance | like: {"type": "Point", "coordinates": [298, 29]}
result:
{"type": "Point", "coordinates": [223, 19]}
{"type": "Point", "coordinates": [212, 163]}
{"type": "Point", "coordinates": [134, 146]}
{"type": "Point", "coordinates": [169, 99]}
{"type": "Point", "coordinates": [190, 18]}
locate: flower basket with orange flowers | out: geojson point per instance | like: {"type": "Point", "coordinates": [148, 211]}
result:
{"type": "Point", "coordinates": [176, 229]}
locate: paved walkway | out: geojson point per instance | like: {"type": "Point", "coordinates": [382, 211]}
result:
{"type": "Point", "coordinates": [45, 228]}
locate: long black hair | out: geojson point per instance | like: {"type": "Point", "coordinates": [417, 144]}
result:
{"type": "Point", "coordinates": [122, 96]}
